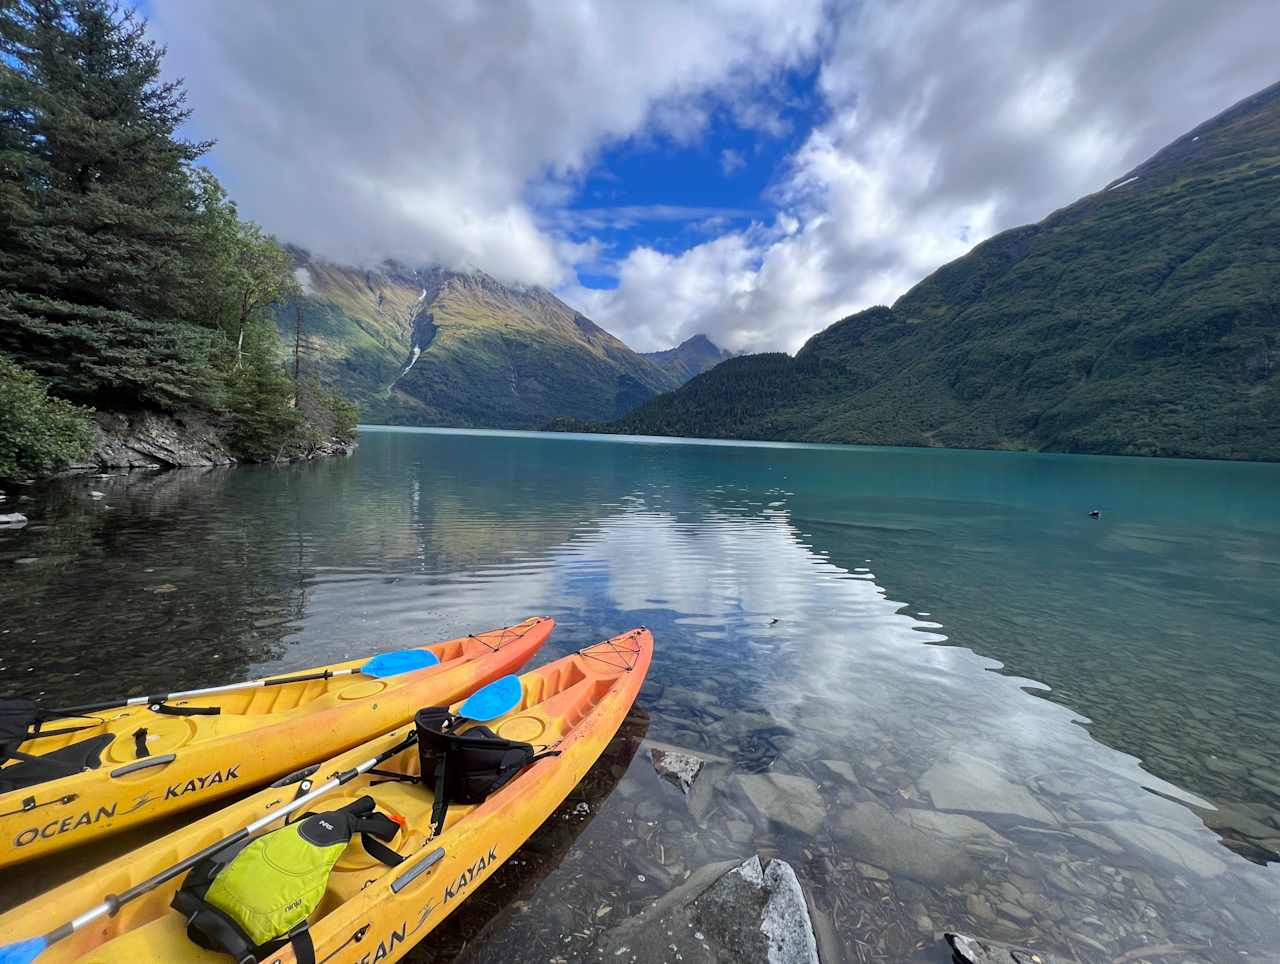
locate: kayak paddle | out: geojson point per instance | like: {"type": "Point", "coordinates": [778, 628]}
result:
{"type": "Point", "coordinates": [485, 704]}
{"type": "Point", "coordinates": [379, 667]}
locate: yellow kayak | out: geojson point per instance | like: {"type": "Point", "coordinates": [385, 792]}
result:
{"type": "Point", "coordinates": [371, 912]}
{"type": "Point", "coordinates": [99, 771]}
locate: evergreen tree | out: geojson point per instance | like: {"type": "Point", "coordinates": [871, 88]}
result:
{"type": "Point", "coordinates": [127, 278]}
{"type": "Point", "coordinates": [266, 423]}
{"type": "Point", "coordinates": [101, 235]}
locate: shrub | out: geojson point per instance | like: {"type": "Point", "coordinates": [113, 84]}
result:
{"type": "Point", "coordinates": [38, 433]}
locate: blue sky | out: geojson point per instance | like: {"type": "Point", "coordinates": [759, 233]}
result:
{"type": "Point", "coordinates": [749, 169]}
{"type": "Point", "coordinates": [669, 195]}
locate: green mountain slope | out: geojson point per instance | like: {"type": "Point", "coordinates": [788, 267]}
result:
{"type": "Point", "coordinates": [1143, 320]}
{"type": "Point", "coordinates": [691, 357]}
{"type": "Point", "coordinates": [437, 347]}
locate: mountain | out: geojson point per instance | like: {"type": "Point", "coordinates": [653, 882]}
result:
{"type": "Point", "coordinates": [437, 347]}
{"type": "Point", "coordinates": [1143, 319]}
{"type": "Point", "coordinates": [691, 357]}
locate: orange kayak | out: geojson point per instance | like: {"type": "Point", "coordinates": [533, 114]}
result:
{"type": "Point", "coordinates": [155, 759]}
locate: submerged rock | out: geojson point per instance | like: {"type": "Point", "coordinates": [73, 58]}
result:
{"type": "Point", "coordinates": [970, 950]}
{"type": "Point", "coordinates": [792, 800]}
{"type": "Point", "coordinates": [842, 769]}
{"type": "Point", "coordinates": [1178, 851]}
{"type": "Point", "coordinates": [715, 771]}
{"type": "Point", "coordinates": [924, 846]}
{"type": "Point", "coordinates": [966, 783]}
{"type": "Point", "coordinates": [1243, 823]}
{"type": "Point", "coordinates": [678, 769]}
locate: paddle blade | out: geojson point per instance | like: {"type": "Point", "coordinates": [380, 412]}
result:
{"type": "Point", "coordinates": [400, 661]}
{"type": "Point", "coordinates": [492, 701]}
{"type": "Point", "coordinates": [23, 952]}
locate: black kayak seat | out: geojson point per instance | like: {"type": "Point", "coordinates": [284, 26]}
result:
{"type": "Point", "coordinates": [21, 720]}
{"type": "Point", "coordinates": [32, 770]}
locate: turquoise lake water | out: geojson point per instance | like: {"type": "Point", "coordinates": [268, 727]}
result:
{"type": "Point", "coordinates": [927, 678]}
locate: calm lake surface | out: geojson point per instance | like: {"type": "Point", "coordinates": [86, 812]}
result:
{"type": "Point", "coordinates": [928, 679]}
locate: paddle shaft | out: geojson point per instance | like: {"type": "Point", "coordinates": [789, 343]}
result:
{"type": "Point", "coordinates": [208, 691]}
{"type": "Point", "coordinates": [114, 902]}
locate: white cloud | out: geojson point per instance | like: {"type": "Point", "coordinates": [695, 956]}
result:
{"type": "Point", "coordinates": [434, 133]}
{"type": "Point", "coordinates": [946, 125]}
{"type": "Point", "coordinates": [629, 215]}
{"type": "Point", "coordinates": [731, 161]}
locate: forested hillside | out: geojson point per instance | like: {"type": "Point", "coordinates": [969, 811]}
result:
{"type": "Point", "coordinates": [127, 281]}
{"type": "Point", "coordinates": [436, 347]}
{"type": "Point", "coordinates": [1141, 320]}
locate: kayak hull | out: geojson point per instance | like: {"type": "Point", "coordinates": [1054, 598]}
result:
{"type": "Point", "coordinates": [259, 735]}
{"type": "Point", "coordinates": [371, 912]}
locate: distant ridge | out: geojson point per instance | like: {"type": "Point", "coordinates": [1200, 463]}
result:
{"type": "Point", "coordinates": [691, 357]}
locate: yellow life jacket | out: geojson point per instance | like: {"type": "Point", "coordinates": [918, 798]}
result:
{"type": "Point", "coordinates": [251, 899]}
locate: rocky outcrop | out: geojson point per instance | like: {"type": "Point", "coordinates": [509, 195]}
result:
{"type": "Point", "coordinates": [152, 440]}
{"type": "Point", "coordinates": [332, 447]}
